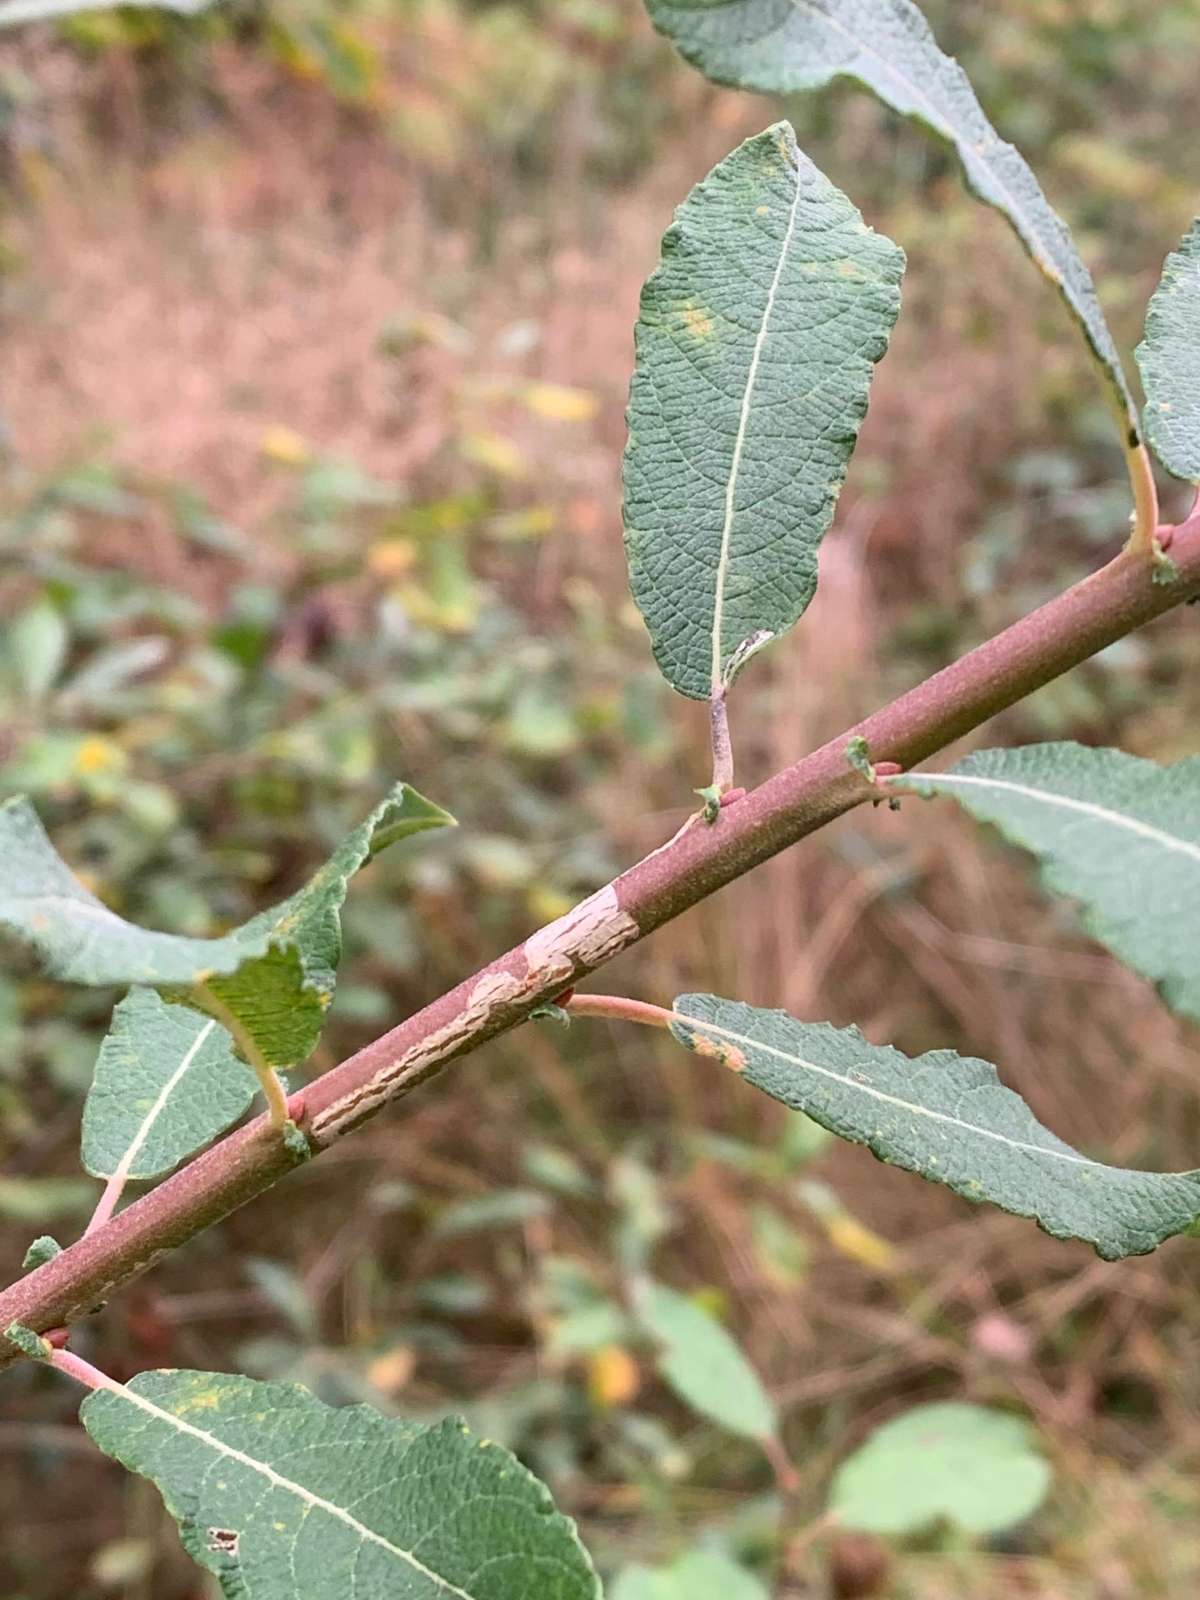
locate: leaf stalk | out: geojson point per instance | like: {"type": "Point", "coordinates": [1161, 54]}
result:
{"type": "Point", "coordinates": [1143, 537]}
{"type": "Point", "coordinates": [722, 743]}
{"type": "Point", "coordinates": [795, 802]}
{"type": "Point", "coordinates": [268, 1079]}
{"type": "Point", "coordinates": [619, 1008]}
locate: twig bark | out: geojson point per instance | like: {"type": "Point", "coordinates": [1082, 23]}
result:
{"type": "Point", "coordinates": [698, 861]}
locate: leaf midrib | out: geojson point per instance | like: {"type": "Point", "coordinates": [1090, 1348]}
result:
{"type": "Point", "coordinates": [1115, 819]}
{"type": "Point", "coordinates": [1032, 235]}
{"type": "Point", "coordinates": [937, 118]}
{"type": "Point", "coordinates": [123, 1167]}
{"type": "Point", "coordinates": [739, 443]}
{"type": "Point", "coordinates": [277, 1480]}
{"type": "Point", "coordinates": [895, 1100]}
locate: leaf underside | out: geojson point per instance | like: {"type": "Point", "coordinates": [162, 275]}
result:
{"type": "Point", "coordinates": [274, 975]}
{"type": "Point", "coordinates": [756, 343]}
{"type": "Point", "coordinates": [1169, 359]}
{"type": "Point", "coordinates": [167, 1082]}
{"type": "Point", "coordinates": [1118, 834]}
{"type": "Point", "coordinates": [785, 46]}
{"type": "Point", "coordinates": [283, 1496]}
{"type": "Point", "coordinates": [947, 1118]}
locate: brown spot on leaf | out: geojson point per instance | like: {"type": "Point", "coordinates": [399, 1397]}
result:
{"type": "Point", "coordinates": [717, 1050]}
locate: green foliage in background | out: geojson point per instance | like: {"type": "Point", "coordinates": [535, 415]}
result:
{"type": "Point", "coordinates": [199, 739]}
{"type": "Point", "coordinates": [978, 1470]}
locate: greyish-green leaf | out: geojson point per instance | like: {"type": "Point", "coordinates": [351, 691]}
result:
{"type": "Point", "coordinates": [703, 1364]}
{"type": "Point", "coordinates": [975, 1468]}
{"type": "Point", "coordinates": [285, 1497]}
{"type": "Point", "coordinates": [946, 1117]}
{"type": "Point", "coordinates": [784, 46]}
{"type": "Point", "coordinates": [756, 343]}
{"type": "Point", "coordinates": [698, 1575]}
{"type": "Point", "coordinates": [167, 1082]}
{"type": "Point", "coordinates": [273, 977]}
{"type": "Point", "coordinates": [1169, 359]}
{"type": "Point", "coordinates": [1119, 834]}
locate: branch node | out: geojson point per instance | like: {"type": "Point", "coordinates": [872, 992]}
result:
{"type": "Point", "coordinates": [44, 1248]}
{"type": "Point", "coordinates": [858, 757]}
{"type": "Point", "coordinates": [295, 1140]}
{"type": "Point", "coordinates": [30, 1344]}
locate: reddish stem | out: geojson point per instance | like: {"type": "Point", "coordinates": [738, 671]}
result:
{"type": "Point", "coordinates": [786, 1475]}
{"type": "Point", "coordinates": [619, 1008]}
{"type": "Point", "coordinates": [107, 1203]}
{"type": "Point", "coordinates": [82, 1371]}
{"type": "Point", "coordinates": [794, 803]}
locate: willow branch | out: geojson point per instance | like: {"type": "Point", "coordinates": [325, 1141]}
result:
{"type": "Point", "coordinates": [698, 861]}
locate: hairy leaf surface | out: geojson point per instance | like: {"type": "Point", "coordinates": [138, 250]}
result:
{"type": "Point", "coordinates": [167, 1082]}
{"type": "Point", "coordinates": [703, 1363]}
{"type": "Point", "coordinates": [755, 348]}
{"type": "Point", "coordinates": [1169, 358]}
{"type": "Point", "coordinates": [282, 1496]}
{"type": "Point", "coordinates": [946, 1117]}
{"type": "Point", "coordinates": [783, 46]}
{"type": "Point", "coordinates": [273, 977]}
{"type": "Point", "coordinates": [1119, 834]}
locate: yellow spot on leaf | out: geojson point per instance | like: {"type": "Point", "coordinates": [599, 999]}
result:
{"type": "Point", "coordinates": [697, 321]}
{"type": "Point", "coordinates": [201, 1400]}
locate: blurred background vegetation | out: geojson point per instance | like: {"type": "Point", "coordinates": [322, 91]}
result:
{"type": "Point", "coordinates": [316, 325]}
